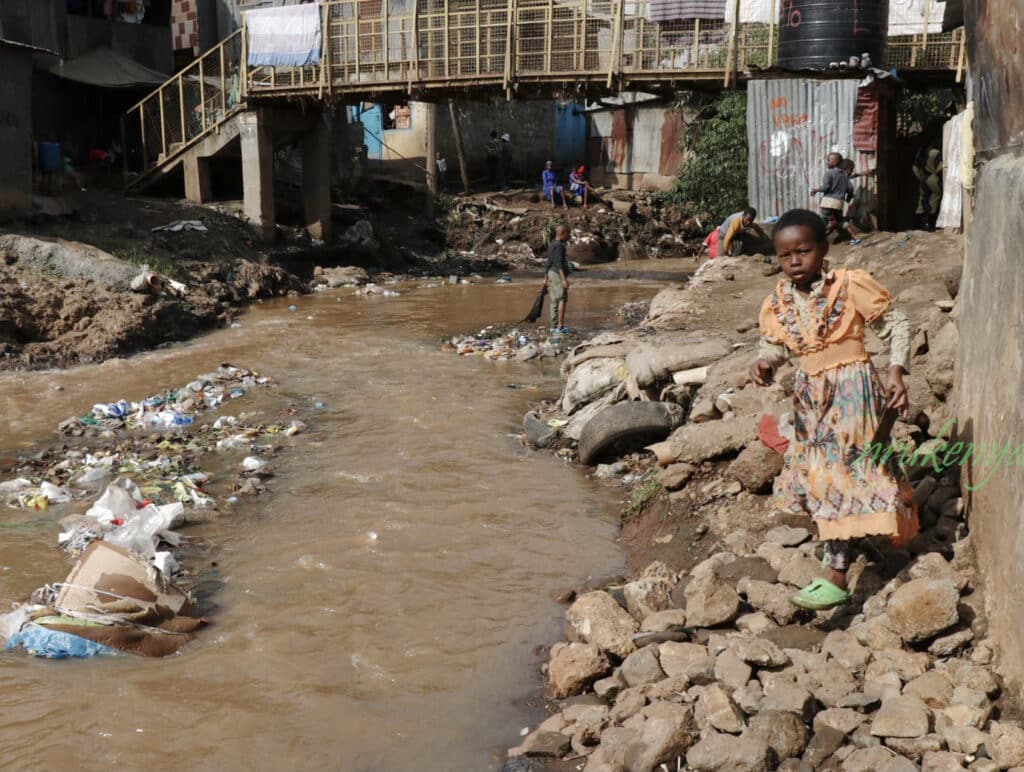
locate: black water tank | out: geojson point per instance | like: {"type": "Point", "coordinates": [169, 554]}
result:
{"type": "Point", "coordinates": [815, 33]}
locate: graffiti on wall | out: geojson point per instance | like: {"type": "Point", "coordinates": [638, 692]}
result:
{"type": "Point", "coordinates": [795, 151]}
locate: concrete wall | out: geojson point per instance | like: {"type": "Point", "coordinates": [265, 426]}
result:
{"type": "Point", "coordinates": [991, 354]}
{"type": "Point", "coordinates": [635, 147]}
{"type": "Point", "coordinates": [37, 22]}
{"type": "Point", "coordinates": [15, 129]}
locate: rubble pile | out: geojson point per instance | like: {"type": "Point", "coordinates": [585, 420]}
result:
{"type": "Point", "coordinates": [713, 669]}
{"type": "Point", "coordinates": [121, 596]}
{"type": "Point", "coordinates": [707, 665]}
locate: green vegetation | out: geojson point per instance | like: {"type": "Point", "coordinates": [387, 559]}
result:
{"type": "Point", "coordinates": [156, 264]}
{"type": "Point", "coordinates": [642, 493]}
{"type": "Point", "coordinates": [714, 175]}
{"type": "Point", "coordinates": [916, 110]}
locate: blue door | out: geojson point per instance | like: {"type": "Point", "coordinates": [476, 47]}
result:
{"type": "Point", "coordinates": [373, 128]}
{"type": "Point", "coordinates": [570, 135]}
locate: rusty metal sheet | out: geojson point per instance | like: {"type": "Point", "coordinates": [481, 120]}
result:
{"type": "Point", "coordinates": [792, 125]}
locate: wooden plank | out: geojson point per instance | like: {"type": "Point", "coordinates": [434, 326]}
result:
{"type": "Point", "coordinates": [551, 36]}
{"type": "Point", "coordinates": [459, 150]}
{"type": "Point", "coordinates": [447, 43]}
{"type": "Point", "coordinates": [696, 44]}
{"type": "Point", "coordinates": [415, 73]}
{"type": "Point", "coordinates": [962, 58]}
{"type": "Point", "coordinates": [510, 20]}
{"type": "Point", "coordinates": [181, 106]}
{"type": "Point", "coordinates": [771, 35]}
{"type": "Point", "coordinates": [163, 123]}
{"type": "Point", "coordinates": [731, 52]}
{"type": "Point", "coordinates": [223, 81]}
{"type": "Point", "coordinates": [613, 61]}
{"type": "Point", "coordinates": [359, 46]}
{"type": "Point", "coordinates": [142, 132]}
{"type": "Point", "coordinates": [202, 92]}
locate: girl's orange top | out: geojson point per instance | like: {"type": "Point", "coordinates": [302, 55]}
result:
{"type": "Point", "coordinates": [834, 333]}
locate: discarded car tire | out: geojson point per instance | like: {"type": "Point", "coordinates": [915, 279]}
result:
{"type": "Point", "coordinates": [537, 431]}
{"type": "Point", "coordinates": [626, 427]}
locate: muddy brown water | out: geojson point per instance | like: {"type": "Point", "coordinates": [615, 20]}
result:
{"type": "Point", "coordinates": [333, 649]}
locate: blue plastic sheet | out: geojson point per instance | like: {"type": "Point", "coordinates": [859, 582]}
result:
{"type": "Point", "coordinates": [55, 644]}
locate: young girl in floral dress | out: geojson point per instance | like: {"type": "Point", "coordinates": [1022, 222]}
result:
{"type": "Point", "coordinates": [820, 316]}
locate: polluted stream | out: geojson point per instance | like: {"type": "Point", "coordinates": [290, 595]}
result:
{"type": "Point", "coordinates": [381, 606]}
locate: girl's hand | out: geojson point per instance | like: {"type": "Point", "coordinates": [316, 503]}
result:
{"type": "Point", "coordinates": [761, 372]}
{"type": "Point", "coordinates": [896, 390]}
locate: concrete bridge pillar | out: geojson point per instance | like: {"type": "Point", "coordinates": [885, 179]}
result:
{"type": "Point", "coordinates": [257, 171]}
{"type": "Point", "coordinates": [316, 179]}
{"type": "Point", "coordinates": [198, 183]}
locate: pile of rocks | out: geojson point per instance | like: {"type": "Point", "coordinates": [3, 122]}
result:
{"type": "Point", "coordinates": [714, 669]}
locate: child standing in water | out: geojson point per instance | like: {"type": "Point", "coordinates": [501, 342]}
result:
{"type": "Point", "coordinates": [820, 316]}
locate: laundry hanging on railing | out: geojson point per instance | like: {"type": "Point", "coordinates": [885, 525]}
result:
{"type": "Point", "coordinates": [752, 11]}
{"type": "Point", "coordinates": [909, 17]}
{"type": "Point", "coordinates": [289, 36]}
{"type": "Point", "coordinates": [682, 10]}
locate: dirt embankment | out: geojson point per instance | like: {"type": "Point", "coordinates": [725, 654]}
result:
{"type": "Point", "coordinates": [699, 660]}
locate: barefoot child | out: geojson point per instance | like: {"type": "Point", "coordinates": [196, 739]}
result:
{"type": "Point", "coordinates": [820, 316]}
{"type": "Point", "coordinates": [557, 278]}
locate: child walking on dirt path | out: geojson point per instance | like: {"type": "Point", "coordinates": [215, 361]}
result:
{"type": "Point", "coordinates": [835, 186]}
{"type": "Point", "coordinates": [820, 316]}
{"type": "Point", "coordinates": [557, 278]}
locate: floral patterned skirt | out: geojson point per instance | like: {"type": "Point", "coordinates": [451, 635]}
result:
{"type": "Point", "coordinates": [830, 471]}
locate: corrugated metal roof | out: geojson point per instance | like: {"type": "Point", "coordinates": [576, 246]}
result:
{"type": "Point", "coordinates": [792, 125]}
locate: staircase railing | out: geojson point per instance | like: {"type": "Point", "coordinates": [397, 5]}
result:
{"type": "Point", "coordinates": [187, 107]}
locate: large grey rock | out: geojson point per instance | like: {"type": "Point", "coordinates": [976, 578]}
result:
{"type": "Point", "coordinates": [695, 443]}
{"type": "Point", "coordinates": [724, 753]}
{"type": "Point", "coordinates": [609, 688]}
{"type": "Point", "coordinates": [755, 468]}
{"type": "Point", "coordinates": [660, 621]}
{"type": "Point", "coordinates": [543, 744]}
{"type": "Point", "coordinates": [841, 719]}
{"type": "Point", "coordinates": [934, 688]}
{"type": "Point", "coordinates": [800, 570]}
{"type": "Point", "coordinates": [822, 745]}
{"type": "Point", "coordinates": [759, 652]}
{"type": "Point", "coordinates": [867, 759]}
{"type": "Point", "coordinates": [575, 666]}
{"type": "Point", "coordinates": [1007, 746]}
{"type": "Point", "coordinates": [772, 599]}
{"type": "Point", "coordinates": [908, 665]}
{"type": "Point", "coordinates": [904, 716]}
{"type": "Point", "coordinates": [783, 732]}
{"type": "Point", "coordinates": [898, 764]}
{"type": "Point", "coordinates": [950, 644]}
{"type": "Point", "coordinates": [610, 755]}
{"type": "Point", "coordinates": [642, 667]}
{"type": "Point", "coordinates": [922, 608]}
{"type": "Point", "coordinates": [676, 658]}
{"type": "Point", "coordinates": [710, 601]}
{"type": "Point", "coordinates": [647, 596]}
{"type": "Point", "coordinates": [977, 677]}
{"type": "Point", "coordinates": [731, 671]}
{"type": "Point", "coordinates": [665, 736]}
{"type": "Point", "coordinates": [916, 747]}
{"type": "Point", "coordinates": [846, 649]}
{"type": "Point", "coordinates": [964, 695]}
{"type": "Point", "coordinates": [787, 536]}
{"type": "Point", "coordinates": [628, 704]}
{"type": "Point", "coordinates": [719, 711]}
{"type": "Point", "coordinates": [942, 761]}
{"type": "Point", "coordinates": [964, 739]}
{"type": "Point", "coordinates": [596, 618]}
{"type": "Point", "coordinates": [790, 697]}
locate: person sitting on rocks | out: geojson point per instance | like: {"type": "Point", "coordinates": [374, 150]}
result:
{"type": "Point", "coordinates": [549, 180]}
{"type": "Point", "coordinates": [578, 185]}
{"type": "Point", "coordinates": [830, 471]}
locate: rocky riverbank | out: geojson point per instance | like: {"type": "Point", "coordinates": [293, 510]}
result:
{"type": "Point", "coordinates": [700, 661]}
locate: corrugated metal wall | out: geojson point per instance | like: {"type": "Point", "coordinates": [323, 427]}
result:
{"type": "Point", "coordinates": [792, 125]}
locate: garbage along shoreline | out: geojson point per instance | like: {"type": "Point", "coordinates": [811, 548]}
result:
{"type": "Point", "coordinates": [128, 480]}
{"type": "Point", "coordinates": [696, 659]}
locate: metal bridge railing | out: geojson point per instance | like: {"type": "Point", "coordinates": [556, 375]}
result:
{"type": "Point", "coordinates": [185, 108]}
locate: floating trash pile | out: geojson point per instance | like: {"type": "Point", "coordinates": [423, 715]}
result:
{"type": "Point", "coordinates": [504, 346]}
{"type": "Point", "coordinates": [121, 596]}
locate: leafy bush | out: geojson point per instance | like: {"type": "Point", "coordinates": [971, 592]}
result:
{"type": "Point", "coordinates": [714, 174]}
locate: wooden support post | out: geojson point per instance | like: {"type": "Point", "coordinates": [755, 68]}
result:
{"type": "Point", "coordinates": [730, 56]}
{"type": "Point", "coordinates": [414, 74]}
{"type": "Point", "coordinates": [459, 151]}
{"type": "Point", "coordinates": [243, 65]}
{"type": "Point", "coordinates": [163, 124]}
{"type": "Point", "coordinates": [510, 19]}
{"type": "Point", "coordinates": [142, 132]}
{"type": "Point", "coordinates": [696, 43]}
{"type": "Point", "coordinates": [583, 38]}
{"type": "Point", "coordinates": [181, 106]}
{"type": "Point", "coordinates": [924, 41]}
{"type": "Point", "coordinates": [447, 25]}
{"type": "Point", "coordinates": [202, 93]}
{"type": "Point", "coordinates": [223, 82]}
{"type": "Point", "coordinates": [386, 12]}
{"type": "Point", "coordinates": [771, 34]}
{"type": "Point", "coordinates": [551, 37]}
{"type": "Point", "coordinates": [430, 127]}
{"type": "Point", "coordinates": [477, 69]}
{"type": "Point", "coordinates": [359, 56]}
{"type": "Point", "coordinates": [962, 58]}
{"type": "Point", "coordinates": [613, 63]}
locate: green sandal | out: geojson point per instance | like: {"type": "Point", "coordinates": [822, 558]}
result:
{"type": "Point", "coordinates": [821, 594]}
